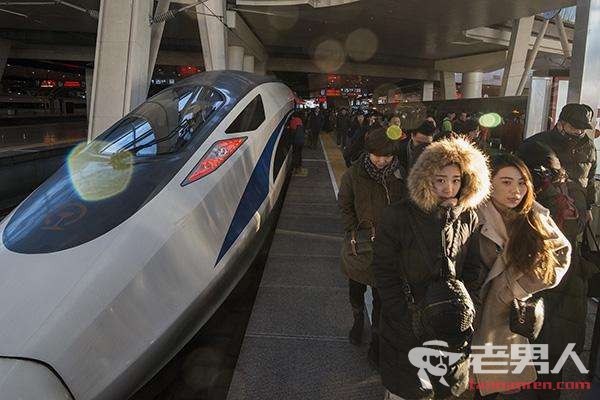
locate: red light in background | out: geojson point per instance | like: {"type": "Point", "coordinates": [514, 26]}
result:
{"type": "Point", "coordinates": [188, 70]}
{"type": "Point", "coordinates": [214, 158]}
{"type": "Point", "coordinates": [333, 93]}
{"type": "Point", "coordinates": [72, 84]}
{"type": "Point", "coordinates": [48, 83]}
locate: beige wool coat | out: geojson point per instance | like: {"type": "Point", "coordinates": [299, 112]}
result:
{"type": "Point", "coordinates": [502, 285]}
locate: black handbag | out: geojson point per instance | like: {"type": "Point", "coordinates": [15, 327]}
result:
{"type": "Point", "coordinates": [527, 317]}
{"type": "Point", "coordinates": [357, 254]}
{"type": "Point", "coordinates": [446, 311]}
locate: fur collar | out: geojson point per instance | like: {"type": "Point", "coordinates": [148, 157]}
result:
{"type": "Point", "coordinates": [472, 162]}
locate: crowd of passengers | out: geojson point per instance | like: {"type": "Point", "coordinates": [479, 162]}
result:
{"type": "Point", "coordinates": [448, 236]}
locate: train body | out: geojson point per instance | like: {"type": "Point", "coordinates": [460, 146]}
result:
{"type": "Point", "coordinates": [117, 260]}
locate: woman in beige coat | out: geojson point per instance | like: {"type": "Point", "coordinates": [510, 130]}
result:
{"type": "Point", "coordinates": [523, 252]}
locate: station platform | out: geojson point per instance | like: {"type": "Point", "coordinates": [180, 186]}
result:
{"type": "Point", "coordinates": [296, 344]}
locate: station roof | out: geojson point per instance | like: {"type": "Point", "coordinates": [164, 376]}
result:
{"type": "Point", "coordinates": [408, 33]}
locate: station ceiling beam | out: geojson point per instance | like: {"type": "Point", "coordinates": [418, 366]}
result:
{"type": "Point", "coordinates": [86, 54]}
{"type": "Point", "coordinates": [312, 3]}
{"type": "Point", "coordinates": [485, 62]}
{"type": "Point", "coordinates": [384, 71]}
{"type": "Point", "coordinates": [502, 37]}
{"type": "Point", "coordinates": [240, 34]}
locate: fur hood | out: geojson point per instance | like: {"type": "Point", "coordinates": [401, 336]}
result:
{"type": "Point", "coordinates": [472, 162]}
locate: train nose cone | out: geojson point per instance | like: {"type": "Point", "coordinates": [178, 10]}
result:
{"type": "Point", "coordinates": [28, 380]}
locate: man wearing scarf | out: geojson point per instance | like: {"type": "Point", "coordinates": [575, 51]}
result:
{"type": "Point", "coordinates": [372, 183]}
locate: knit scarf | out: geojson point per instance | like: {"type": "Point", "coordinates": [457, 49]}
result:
{"type": "Point", "coordinates": [379, 175]}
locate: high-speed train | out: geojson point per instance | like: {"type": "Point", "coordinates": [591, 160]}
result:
{"type": "Point", "coordinates": [116, 261]}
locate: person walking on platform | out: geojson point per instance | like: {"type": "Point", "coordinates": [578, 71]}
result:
{"type": "Point", "coordinates": [315, 125]}
{"type": "Point", "coordinates": [358, 127]}
{"type": "Point", "coordinates": [366, 189]}
{"type": "Point", "coordinates": [522, 252]}
{"type": "Point", "coordinates": [418, 260]}
{"type": "Point", "coordinates": [356, 144]}
{"type": "Point", "coordinates": [564, 162]}
{"type": "Point", "coordinates": [342, 127]}
{"type": "Point", "coordinates": [411, 147]}
{"type": "Point", "coordinates": [448, 122]}
{"type": "Point", "coordinates": [459, 126]}
{"type": "Point", "coordinates": [297, 129]}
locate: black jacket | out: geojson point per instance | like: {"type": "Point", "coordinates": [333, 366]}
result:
{"type": "Point", "coordinates": [577, 157]}
{"type": "Point", "coordinates": [396, 249]}
{"type": "Point", "coordinates": [566, 305]}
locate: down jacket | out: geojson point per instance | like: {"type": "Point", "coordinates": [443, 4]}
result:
{"type": "Point", "coordinates": [499, 285]}
{"type": "Point", "coordinates": [396, 248]}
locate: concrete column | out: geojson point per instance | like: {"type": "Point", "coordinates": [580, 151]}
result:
{"type": "Point", "coordinates": [584, 82]}
{"type": "Point", "coordinates": [517, 55]}
{"type": "Point", "coordinates": [448, 85]}
{"type": "Point", "coordinates": [472, 85]}
{"type": "Point", "coordinates": [4, 51]}
{"type": "Point", "coordinates": [155, 37]}
{"type": "Point", "coordinates": [248, 63]}
{"type": "Point", "coordinates": [213, 34]}
{"type": "Point", "coordinates": [89, 81]}
{"type": "Point", "coordinates": [427, 91]}
{"type": "Point", "coordinates": [121, 62]}
{"type": "Point", "coordinates": [260, 67]}
{"type": "Point", "coordinates": [235, 57]}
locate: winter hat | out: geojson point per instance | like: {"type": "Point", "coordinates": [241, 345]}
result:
{"type": "Point", "coordinates": [426, 128]}
{"type": "Point", "coordinates": [377, 142]}
{"type": "Point", "coordinates": [578, 115]}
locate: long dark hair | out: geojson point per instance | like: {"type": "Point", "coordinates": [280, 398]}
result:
{"type": "Point", "coordinates": [532, 252]}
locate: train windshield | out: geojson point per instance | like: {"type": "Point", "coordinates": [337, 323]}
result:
{"type": "Point", "coordinates": [162, 125]}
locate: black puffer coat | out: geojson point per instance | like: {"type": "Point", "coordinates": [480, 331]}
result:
{"type": "Point", "coordinates": [396, 247]}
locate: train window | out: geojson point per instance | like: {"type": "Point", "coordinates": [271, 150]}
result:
{"type": "Point", "coordinates": [249, 119]}
{"type": "Point", "coordinates": [162, 125]}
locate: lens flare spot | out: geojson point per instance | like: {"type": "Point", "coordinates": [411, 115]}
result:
{"type": "Point", "coordinates": [283, 20]}
{"type": "Point", "coordinates": [490, 120]}
{"type": "Point", "coordinates": [98, 177]}
{"type": "Point", "coordinates": [329, 55]}
{"type": "Point", "coordinates": [394, 132]}
{"type": "Point", "coordinates": [361, 44]}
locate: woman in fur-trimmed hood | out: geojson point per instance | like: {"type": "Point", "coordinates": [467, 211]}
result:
{"type": "Point", "coordinates": [448, 181]}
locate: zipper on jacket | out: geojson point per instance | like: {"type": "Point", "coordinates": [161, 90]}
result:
{"type": "Point", "coordinates": [387, 193]}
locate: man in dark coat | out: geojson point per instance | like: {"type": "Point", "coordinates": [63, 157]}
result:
{"type": "Point", "coordinates": [563, 162]}
{"type": "Point", "coordinates": [315, 125]}
{"type": "Point", "coordinates": [410, 148]}
{"type": "Point", "coordinates": [356, 143]}
{"type": "Point", "coordinates": [459, 125]}
{"type": "Point", "coordinates": [343, 126]}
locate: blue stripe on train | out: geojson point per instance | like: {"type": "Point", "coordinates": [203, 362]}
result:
{"type": "Point", "coordinates": [254, 195]}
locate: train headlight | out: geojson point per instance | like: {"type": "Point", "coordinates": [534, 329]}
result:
{"type": "Point", "coordinates": [218, 153]}
{"type": "Point", "coordinates": [29, 380]}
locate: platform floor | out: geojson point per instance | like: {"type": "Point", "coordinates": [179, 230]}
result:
{"type": "Point", "coordinates": [295, 345]}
